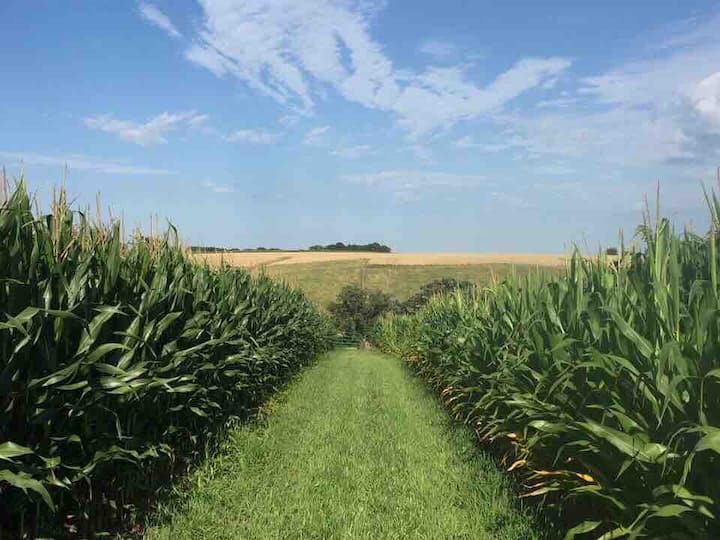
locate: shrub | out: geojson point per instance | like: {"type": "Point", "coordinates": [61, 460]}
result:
{"type": "Point", "coordinates": [433, 288]}
{"type": "Point", "coordinates": [356, 308]}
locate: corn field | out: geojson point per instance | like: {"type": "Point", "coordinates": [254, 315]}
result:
{"type": "Point", "coordinates": [600, 388]}
{"type": "Point", "coordinates": [121, 361]}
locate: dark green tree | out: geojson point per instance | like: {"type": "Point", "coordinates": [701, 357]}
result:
{"type": "Point", "coordinates": [356, 309]}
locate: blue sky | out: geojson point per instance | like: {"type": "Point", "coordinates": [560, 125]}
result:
{"type": "Point", "coordinates": [430, 126]}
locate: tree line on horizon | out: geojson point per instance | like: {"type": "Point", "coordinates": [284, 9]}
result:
{"type": "Point", "coordinates": [337, 246]}
{"type": "Point", "coordinates": [340, 246]}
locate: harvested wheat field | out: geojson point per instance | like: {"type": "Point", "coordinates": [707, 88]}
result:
{"type": "Point", "coordinates": [321, 275]}
{"type": "Point", "coordinates": [278, 258]}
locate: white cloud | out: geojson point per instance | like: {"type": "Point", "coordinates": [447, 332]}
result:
{"type": "Point", "coordinates": [439, 50]}
{"type": "Point", "coordinates": [253, 136]}
{"type": "Point", "coordinates": [442, 96]}
{"type": "Point", "coordinates": [421, 151]}
{"type": "Point", "coordinates": [465, 142]}
{"type": "Point", "coordinates": [316, 136]}
{"type": "Point", "coordinates": [353, 152]}
{"type": "Point", "coordinates": [151, 132]}
{"type": "Point", "coordinates": [662, 80]}
{"type": "Point", "coordinates": [490, 147]}
{"type": "Point", "coordinates": [661, 109]}
{"type": "Point", "coordinates": [81, 163]}
{"type": "Point", "coordinates": [662, 106]}
{"type": "Point", "coordinates": [197, 119]}
{"type": "Point", "coordinates": [218, 188]}
{"type": "Point", "coordinates": [320, 137]}
{"type": "Point", "coordinates": [706, 98]}
{"type": "Point", "coordinates": [412, 180]}
{"type": "Point", "coordinates": [208, 58]}
{"type": "Point", "coordinates": [156, 17]}
{"type": "Point", "coordinates": [620, 137]}
{"type": "Point", "coordinates": [560, 102]}
{"type": "Point", "coordinates": [292, 50]}
{"type": "Point", "coordinates": [289, 120]}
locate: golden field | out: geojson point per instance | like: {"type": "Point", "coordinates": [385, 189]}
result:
{"type": "Point", "coordinates": [278, 258]}
{"type": "Point", "coordinates": [323, 274]}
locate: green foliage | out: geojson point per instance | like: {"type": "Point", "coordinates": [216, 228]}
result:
{"type": "Point", "coordinates": [433, 288]}
{"type": "Point", "coordinates": [356, 309]}
{"type": "Point", "coordinates": [602, 386]}
{"type": "Point", "coordinates": [119, 362]}
{"type": "Point", "coordinates": [339, 246]}
{"type": "Point", "coordinates": [215, 249]}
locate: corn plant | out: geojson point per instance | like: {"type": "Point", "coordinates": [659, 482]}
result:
{"type": "Point", "coordinates": [121, 361]}
{"type": "Point", "coordinates": [600, 387]}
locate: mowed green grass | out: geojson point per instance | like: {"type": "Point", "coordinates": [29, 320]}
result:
{"type": "Point", "coordinates": [322, 281]}
{"type": "Point", "coordinates": [356, 448]}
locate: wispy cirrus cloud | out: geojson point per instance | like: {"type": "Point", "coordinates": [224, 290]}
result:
{"type": "Point", "coordinates": [289, 120]}
{"type": "Point", "coordinates": [80, 162]}
{"type": "Point", "coordinates": [410, 180]}
{"type": "Point", "coordinates": [325, 137]}
{"type": "Point", "coordinates": [557, 102]}
{"type": "Point", "coordinates": [469, 142]}
{"type": "Point", "coordinates": [442, 96]}
{"type": "Point", "coordinates": [409, 185]}
{"type": "Point", "coordinates": [218, 188]}
{"type": "Point", "coordinates": [153, 131]}
{"type": "Point", "coordinates": [353, 151]}
{"type": "Point", "coordinates": [317, 136]}
{"type": "Point", "coordinates": [437, 49]}
{"type": "Point", "coordinates": [288, 50]}
{"type": "Point", "coordinates": [253, 136]}
{"type": "Point", "coordinates": [154, 16]}
{"type": "Point", "coordinates": [661, 108]}
{"type": "Point", "coordinates": [422, 152]}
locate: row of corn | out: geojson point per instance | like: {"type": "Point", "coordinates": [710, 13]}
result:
{"type": "Point", "coordinates": [600, 387]}
{"type": "Point", "coordinates": [120, 362]}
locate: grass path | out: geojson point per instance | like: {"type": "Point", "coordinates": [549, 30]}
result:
{"type": "Point", "coordinates": [356, 448]}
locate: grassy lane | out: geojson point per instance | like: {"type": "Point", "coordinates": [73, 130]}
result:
{"type": "Point", "coordinates": [356, 448]}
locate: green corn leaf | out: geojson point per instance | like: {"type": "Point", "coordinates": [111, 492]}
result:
{"type": "Point", "coordinates": [710, 441]}
{"type": "Point", "coordinates": [25, 483]}
{"type": "Point", "coordinates": [640, 342]}
{"type": "Point", "coordinates": [9, 450]}
{"type": "Point", "coordinates": [582, 528]}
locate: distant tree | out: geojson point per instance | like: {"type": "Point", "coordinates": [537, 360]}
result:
{"type": "Point", "coordinates": [214, 249]}
{"type": "Point", "coordinates": [340, 246]}
{"type": "Point", "coordinates": [356, 309]}
{"type": "Point", "coordinates": [432, 288]}
{"type": "Point", "coordinates": [611, 251]}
